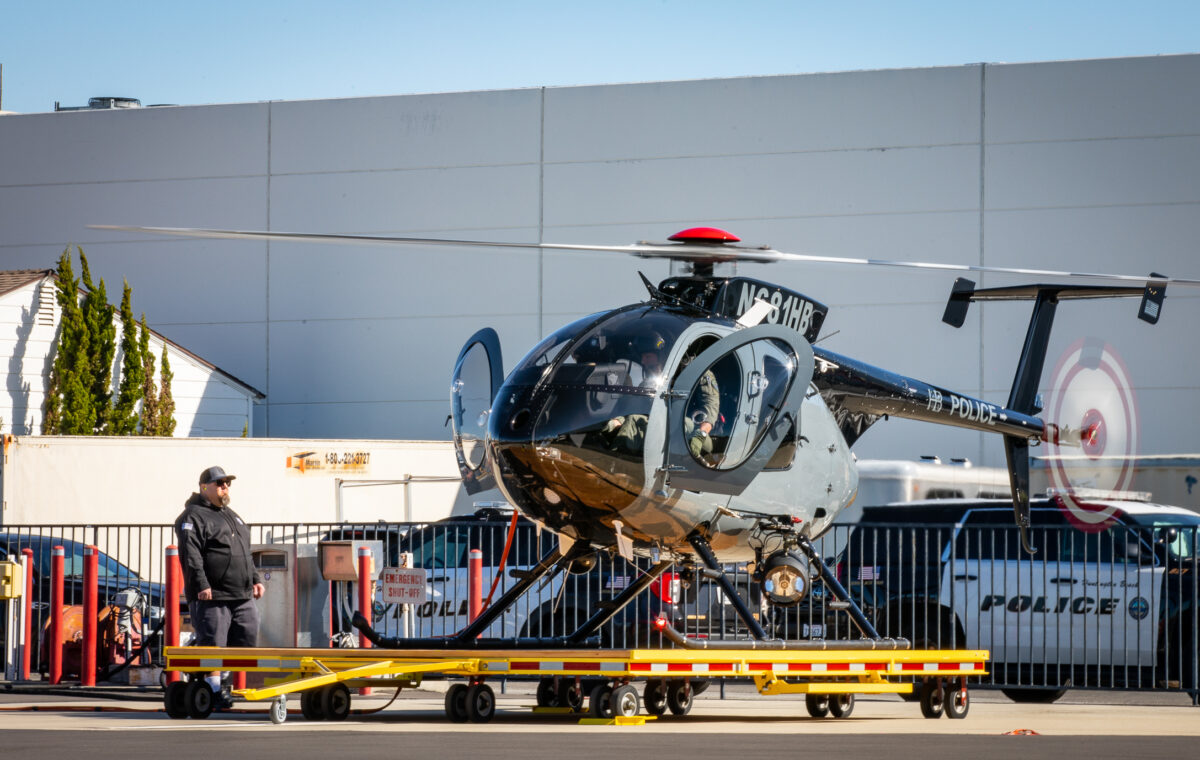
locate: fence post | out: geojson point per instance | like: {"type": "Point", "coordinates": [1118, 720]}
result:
{"type": "Point", "coordinates": [365, 599]}
{"type": "Point", "coordinates": [27, 614]}
{"type": "Point", "coordinates": [57, 559]}
{"type": "Point", "coordinates": [475, 585]}
{"type": "Point", "coordinates": [91, 577]}
{"type": "Point", "coordinates": [171, 608]}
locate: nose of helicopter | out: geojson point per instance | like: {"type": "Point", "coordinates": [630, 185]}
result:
{"type": "Point", "coordinates": [565, 471]}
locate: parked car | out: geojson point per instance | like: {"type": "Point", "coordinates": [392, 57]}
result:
{"type": "Point", "coordinates": [1108, 599]}
{"type": "Point", "coordinates": [442, 550]}
{"type": "Point", "coordinates": [113, 578]}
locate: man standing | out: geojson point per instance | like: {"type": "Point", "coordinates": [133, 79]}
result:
{"type": "Point", "coordinates": [218, 572]}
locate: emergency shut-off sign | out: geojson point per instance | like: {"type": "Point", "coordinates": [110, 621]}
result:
{"type": "Point", "coordinates": [403, 585]}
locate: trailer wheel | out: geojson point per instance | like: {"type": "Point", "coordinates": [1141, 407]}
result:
{"type": "Point", "coordinates": [310, 704]}
{"type": "Point", "coordinates": [173, 700]}
{"type": "Point", "coordinates": [481, 703]}
{"type": "Point", "coordinates": [817, 704]}
{"type": "Point", "coordinates": [600, 701]}
{"type": "Point", "coordinates": [277, 712]}
{"type": "Point", "coordinates": [679, 697]}
{"type": "Point", "coordinates": [932, 700]}
{"type": "Point", "coordinates": [570, 694]}
{"type": "Point", "coordinates": [456, 703]}
{"type": "Point", "coordinates": [956, 701]}
{"type": "Point", "coordinates": [198, 699]}
{"type": "Point", "coordinates": [654, 696]}
{"type": "Point", "coordinates": [547, 693]}
{"type": "Point", "coordinates": [625, 702]}
{"type": "Point", "coordinates": [335, 701]}
{"type": "Point", "coordinates": [841, 705]}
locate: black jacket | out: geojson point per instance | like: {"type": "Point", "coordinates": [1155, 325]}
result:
{"type": "Point", "coordinates": [214, 550]}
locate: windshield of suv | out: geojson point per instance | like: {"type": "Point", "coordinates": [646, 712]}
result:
{"type": "Point", "coordinates": [1178, 533]}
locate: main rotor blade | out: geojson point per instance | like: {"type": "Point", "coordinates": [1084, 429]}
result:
{"type": "Point", "coordinates": [681, 251]}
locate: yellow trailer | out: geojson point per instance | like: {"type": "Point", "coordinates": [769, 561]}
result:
{"type": "Point", "coordinates": [829, 677]}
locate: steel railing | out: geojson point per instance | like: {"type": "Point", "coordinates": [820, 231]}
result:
{"type": "Point", "coordinates": [1112, 609]}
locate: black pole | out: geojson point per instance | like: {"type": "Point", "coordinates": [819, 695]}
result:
{"type": "Point", "coordinates": [702, 547]}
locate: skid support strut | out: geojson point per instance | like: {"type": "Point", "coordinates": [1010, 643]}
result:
{"type": "Point", "coordinates": [704, 550]}
{"type": "Point", "coordinates": [468, 638]}
{"type": "Point", "coordinates": [832, 583]}
{"type": "Point", "coordinates": [618, 603]}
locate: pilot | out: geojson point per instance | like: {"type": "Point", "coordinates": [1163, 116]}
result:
{"type": "Point", "coordinates": [628, 433]}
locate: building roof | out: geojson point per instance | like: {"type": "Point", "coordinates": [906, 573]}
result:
{"type": "Point", "coordinates": [12, 279]}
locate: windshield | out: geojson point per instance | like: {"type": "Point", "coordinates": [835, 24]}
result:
{"type": "Point", "coordinates": [611, 371]}
{"type": "Point", "coordinates": [1178, 533]}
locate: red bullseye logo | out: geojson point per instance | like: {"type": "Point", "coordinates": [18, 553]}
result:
{"type": "Point", "coordinates": [1091, 392]}
{"type": "Point", "coordinates": [1094, 434]}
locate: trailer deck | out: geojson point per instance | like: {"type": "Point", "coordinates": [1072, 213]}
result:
{"type": "Point", "coordinates": [828, 677]}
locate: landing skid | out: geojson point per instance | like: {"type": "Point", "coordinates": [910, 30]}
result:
{"type": "Point", "coordinates": [870, 637]}
{"type": "Point", "coordinates": [552, 564]}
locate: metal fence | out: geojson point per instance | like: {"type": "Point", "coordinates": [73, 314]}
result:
{"type": "Point", "coordinates": [1115, 609]}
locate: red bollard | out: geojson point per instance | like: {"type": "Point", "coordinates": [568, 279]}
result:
{"type": "Point", "coordinates": [171, 607]}
{"type": "Point", "coordinates": [474, 584]}
{"type": "Point", "coordinates": [27, 641]}
{"type": "Point", "coordinates": [365, 598]}
{"type": "Point", "coordinates": [91, 578]}
{"type": "Point", "coordinates": [57, 560]}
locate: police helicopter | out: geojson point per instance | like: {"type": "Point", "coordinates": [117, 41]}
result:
{"type": "Point", "coordinates": [704, 425]}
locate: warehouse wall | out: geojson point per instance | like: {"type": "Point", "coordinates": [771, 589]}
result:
{"type": "Point", "coordinates": [1078, 165]}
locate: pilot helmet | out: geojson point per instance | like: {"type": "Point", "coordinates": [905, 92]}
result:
{"type": "Point", "coordinates": [651, 342]}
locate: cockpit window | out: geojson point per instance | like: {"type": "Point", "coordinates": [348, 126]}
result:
{"type": "Point", "coordinates": [604, 383]}
{"type": "Point", "coordinates": [736, 402]}
{"type": "Point", "coordinates": [549, 348]}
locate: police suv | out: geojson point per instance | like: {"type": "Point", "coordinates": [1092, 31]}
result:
{"type": "Point", "coordinates": [1109, 599]}
{"type": "Point", "coordinates": [555, 608]}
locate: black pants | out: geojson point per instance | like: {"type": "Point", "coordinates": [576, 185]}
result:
{"type": "Point", "coordinates": [225, 622]}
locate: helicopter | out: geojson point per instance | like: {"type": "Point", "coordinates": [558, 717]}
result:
{"type": "Point", "coordinates": [705, 425]}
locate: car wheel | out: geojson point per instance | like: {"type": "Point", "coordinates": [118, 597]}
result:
{"type": "Point", "coordinates": [173, 700]}
{"type": "Point", "coordinates": [570, 694]}
{"type": "Point", "coordinates": [600, 701]}
{"type": "Point", "coordinates": [456, 703]}
{"type": "Point", "coordinates": [956, 701]}
{"type": "Point", "coordinates": [655, 697]}
{"type": "Point", "coordinates": [310, 704]}
{"type": "Point", "coordinates": [932, 699]}
{"type": "Point", "coordinates": [547, 693]}
{"type": "Point", "coordinates": [625, 702]}
{"type": "Point", "coordinates": [335, 701]}
{"type": "Point", "coordinates": [680, 697]}
{"type": "Point", "coordinates": [481, 703]}
{"type": "Point", "coordinates": [817, 705]}
{"type": "Point", "coordinates": [198, 699]}
{"type": "Point", "coordinates": [841, 705]}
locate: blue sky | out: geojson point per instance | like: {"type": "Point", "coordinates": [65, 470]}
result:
{"type": "Point", "coordinates": [220, 51]}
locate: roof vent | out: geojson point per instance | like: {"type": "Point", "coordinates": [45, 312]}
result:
{"type": "Point", "coordinates": [114, 103]}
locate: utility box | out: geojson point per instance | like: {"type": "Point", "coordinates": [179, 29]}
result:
{"type": "Point", "coordinates": [293, 610]}
{"type": "Point", "coordinates": [12, 584]}
{"type": "Point", "coordinates": [339, 559]}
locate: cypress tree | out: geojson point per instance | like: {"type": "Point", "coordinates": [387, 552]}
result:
{"type": "Point", "coordinates": [124, 417]}
{"type": "Point", "coordinates": [98, 318]}
{"type": "Point", "coordinates": [69, 409]}
{"type": "Point", "coordinates": [150, 412]}
{"type": "Point", "coordinates": [166, 404]}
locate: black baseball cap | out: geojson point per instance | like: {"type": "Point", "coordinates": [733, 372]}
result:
{"type": "Point", "coordinates": [213, 474]}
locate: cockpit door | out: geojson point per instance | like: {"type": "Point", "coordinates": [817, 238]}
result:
{"type": "Point", "coordinates": [756, 378]}
{"type": "Point", "coordinates": [478, 374]}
